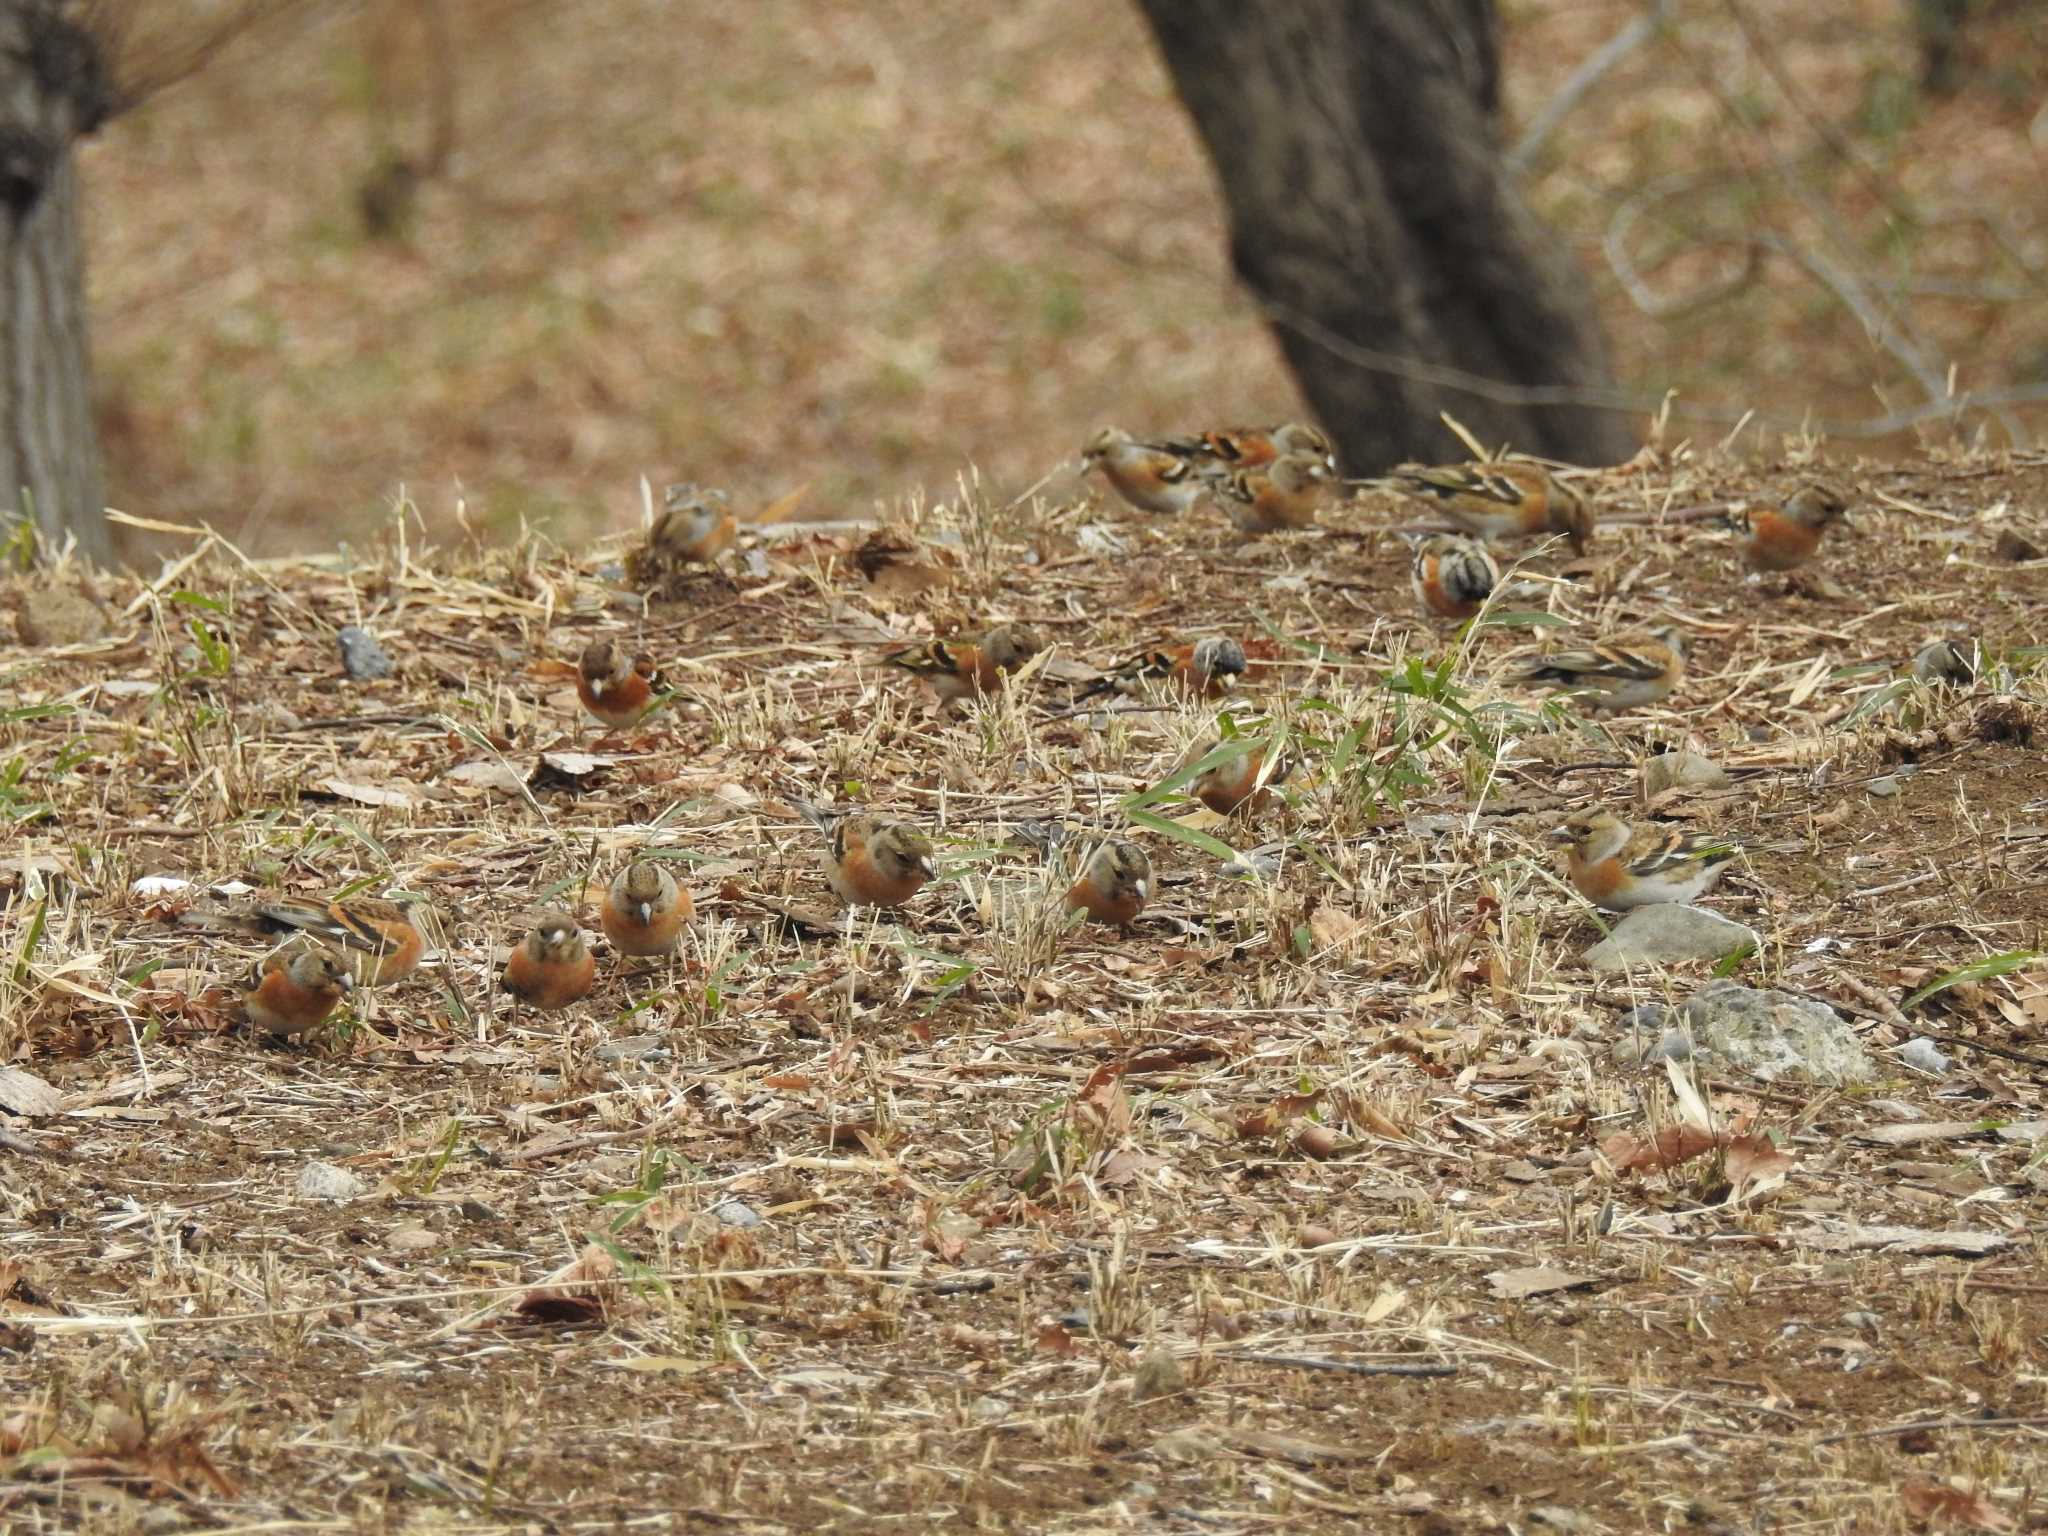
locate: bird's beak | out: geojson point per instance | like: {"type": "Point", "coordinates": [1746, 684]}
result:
{"type": "Point", "coordinates": [1144, 890]}
{"type": "Point", "coordinates": [347, 982]}
{"type": "Point", "coordinates": [646, 913]}
{"type": "Point", "coordinates": [931, 869]}
{"type": "Point", "coordinates": [1563, 835]}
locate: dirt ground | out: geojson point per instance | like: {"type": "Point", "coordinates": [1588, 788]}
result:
{"type": "Point", "coordinates": [952, 1215]}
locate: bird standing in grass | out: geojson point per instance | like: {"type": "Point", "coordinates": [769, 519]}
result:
{"type": "Point", "coordinates": [1951, 663]}
{"type": "Point", "coordinates": [1497, 500]}
{"type": "Point", "coordinates": [1203, 669]}
{"type": "Point", "coordinates": [1617, 867]}
{"type": "Point", "coordinates": [1112, 876]}
{"type": "Point", "coordinates": [1218, 453]}
{"type": "Point", "coordinates": [617, 687]}
{"type": "Point", "coordinates": [295, 989]}
{"type": "Point", "coordinates": [644, 910]}
{"type": "Point", "coordinates": [1785, 538]}
{"type": "Point", "coordinates": [1280, 498]}
{"type": "Point", "coordinates": [959, 668]}
{"type": "Point", "coordinates": [1453, 576]}
{"type": "Point", "coordinates": [1153, 477]}
{"type": "Point", "coordinates": [375, 938]}
{"type": "Point", "coordinates": [1240, 783]}
{"type": "Point", "coordinates": [1625, 672]}
{"type": "Point", "coordinates": [552, 966]}
{"type": "Point", "coordinates": [871, 861]}
{"type": "Point", "coordinates": [696, 524]}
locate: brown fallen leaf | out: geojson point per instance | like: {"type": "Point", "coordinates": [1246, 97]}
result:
{"type": "Point", "coordinates": [576, 1294]}
{"type": "Point", "coordinates": [1102, 1106]}
{"type": "Point", "coordinates": [1535, 1280]}
{"type": "Point", "coordinates": [1959, 1506]}
{"type": "Point", "coordinates": [1755, 1165]}
{"type": "Point", "coordinates": [1673, 1145]}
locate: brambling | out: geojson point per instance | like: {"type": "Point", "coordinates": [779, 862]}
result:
{"type": "Point", "coordinates": [1785, 538]}
{"type": "Point", "coordinates": [1203, 669]}
{"type": "Point", "coordinates": [1952, 662]}
{"type": "Point", "coordinates": [1622, 673]}
{"type": "Point", "coordinates": [1114, 879]}
{"type": "Point", "coordinates": [1241, 783]}
{"type": "Point", "coordinates": [1150, 476]}
{"type": "Point", "coordinates": [695, 524]}
{"type": "Point", "coordinates": [1616, 868]}
{"type": "Point", "coordinates": [1453, 576]}
{"type": "Point", "coordinates": [1281, 497]}
{"type": "Point", "coordinates": [644, 910]}
{"type": "Point", "coordinates": [871, 861]}
{"type": "Point", "coordinates": [1499, 499]}
{"type": "Point", "coordinates": [957, 668]}
{"type": "Point", "coordinates": [1251, 447]}
{"type": "Point", "coordinates": [376, 937]}
{"type": "Point", "coordinates": [614, 685]}
{"type": "Point", "coordinates": [552, 966]}
{"type": "Point", "coordinates": [296, 988]}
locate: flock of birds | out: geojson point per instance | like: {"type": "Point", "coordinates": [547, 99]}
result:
{"type": "Point", "coordinates": [1265, 480]}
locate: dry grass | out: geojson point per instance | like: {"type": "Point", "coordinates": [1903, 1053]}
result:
{"type": "Point", "coordinates": [862, 245]}
{"type": "Point", "coordinates": [991, 1221]}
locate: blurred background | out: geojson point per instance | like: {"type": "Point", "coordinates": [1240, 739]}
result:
{"type": "Point", "coordinates": [863, 245]}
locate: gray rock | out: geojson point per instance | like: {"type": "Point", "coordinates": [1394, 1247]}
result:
{"type": "Point", "coordinates": [324, 1181]}
{"type": "Point", "coordinates": [737, 1213]}
{"type": "Point", "coordinates": [1773, 1034]}
{"type": "Point", "coordinates": [1882, 788]}
{"type": "Point", "coordinates": [362, 658]}
{"type": "Point", "coordinates": [634, 1048]}
{"type": "Point", "coordinates": [1666, 933]}
{"type": "Point", "coordinates": [1681, 770]}
{"type": "Point", "coordinates": [1645, 1017]}
{"type": "Point", "coordinates": [1922, 1055]}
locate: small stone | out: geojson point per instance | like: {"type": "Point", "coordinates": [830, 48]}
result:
{"type": "Point", "coordinates": [1681, 770]}
{"type": "Point", "coordinates": [634, 1048]}
{"type": "Point", "coordinates": [1774, 1034]}
{"type": "Point", "coordinates": [1921, 1055]}
{"type": "Point", "coordinates": [737, 1213]}
{"type": "Point", "coordinates": [989, 1409]}
{"type": "Point", "coordinates": [362, 658]}
{"type": "Point", "coordinates": [324, 1181]}
{"type": "Point", "coordinates": [1645, 1017]}
{"type": "Point", "coordinates": [1883, 788]}
{"type": "Point", "coordinates": [58, 616]}
{"type": "Point", "coordinates": [1667, 933]}
{"type": "Point", "coordinates": [1158, 1375]}
{"type": "Point", "coordinates": [476, 1210]}
{"type": "Point", "coordinates": [411, 1239]}
{"type": "Point", "coordinates": [2015, 547]}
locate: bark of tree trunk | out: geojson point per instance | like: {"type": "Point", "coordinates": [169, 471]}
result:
{"type": "Point", "coordinates": [1373, 216]}
{"type": "Point", "coordinates": [52, 92]}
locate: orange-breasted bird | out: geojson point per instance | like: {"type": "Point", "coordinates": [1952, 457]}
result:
{"type": "Point", "coordinates": [1625, 672]}
{"type": "Point", "coordinates": [871, 861]}
{"type": "Point", "coordinates": [552, 966]}
{"type": "Point", "coordinates": [296, 988]}
{"type": "Point", "coordinates": [644, 910]}
{"type": "Point", "coordinates": [1150, 476]}
{"type": "Point", "coordinates": [1279, 498]}
{"type": "Point", "coordinates": [1251, 447]}
{"type": "Point", "coordinates": [1453, 576]}
{"type": "Point", "coordinates": [615, 685]}
{"type": "Point", "coordinates": [1497, 500]}
{"type": "Point", "coordinates": [376, 938]}
{"type": "Point", "coordinates": [1616, 867]}
{"type": "Point", "coordinates": [963, 666]}
{"type": "Point", "coordinates": [695, 524]}
{"type": "Point", "coordinates": [1242, 782]}
{"type": "Point", "coordinates": [1203, 668]}
{"type": "Point", "coordinates": [1111, 876]}
{"type": "Point", "coordinates": [1785, 538]}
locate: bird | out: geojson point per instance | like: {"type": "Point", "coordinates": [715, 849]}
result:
{"type": "Point", "coordinates": [1112, 878]}
{"type": "Point", "coordinates": [1251, 447]}
{"type": "Point", "coordinates": [1624, 672]}
{"type": "Point", "coordinates": [377, 939]}
{"type": "Point", "coordinates": [552, 966]}
{"type": "Point", "coordinates": [1241, 782]}
{"type": "Point", "coordinates": [616, 686]}
{"type": "Point", "coordinates": [695, 524]}
{"type": "Point", "coordinates": [1941, 662]}
{"type": "Point", "coordinates": [963, 666]}
{"type": "Point", "coordinates": [872, 861]}
{"type": "Point", "coordinates": [1617, 868]}
{"type": "Point", "coordinates": [1281, 497]}
{"type": "Point", "coordinates": [1453, 576]}
{"type": "Point", "coordinates": [1152, 477]}
{"type": "Point", "coordinates": [1498, 499]}
{"type": "Point", "coordinates": [296, 988]}
{"type": "Point", "coordinates": [1203, 668]}
{"type": "Point", "coordinates": [1785, 538]}
{"type": "Point", "coordinates": [644, 910]}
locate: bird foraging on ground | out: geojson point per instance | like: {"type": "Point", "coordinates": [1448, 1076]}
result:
{"type": "Point", "coordinates": [961, 667]}
{"type": "Point", "coordinates": [1499, 499]}
{"type": "Point", "coordinates": [616, 686]}
{"type": "Point", "coordinates": [1112, 876]}
{"type": "Point", "coordinates": [1951, 663]}
{"type": "Point", "coordinates": [1785, 538]}
{"type": "Point", "coordinates": [1153, 477]}
{"type": "Point", "coordinates": [1453, 576]}
{"type": "Point", "coordinates": [376, 940]}
{"type": "Point", "coordinates": [1241, 783]}
{"type": "Point", "coordinates": [871, 861]}
{"type": "Point", "coordinates": [1617, 867]}
{"type": "Point", "coordinates": [1280, 498]}
{"type": "Point", "coordinates": [1625, 672]}
{"type": "Point", "coordinates": [552, 966]}
{"type": "Point", "coordinates": [1203, 669]}
{"type": "Point", "coordinates": [644, 910]}
{"type": "Point", "coordinates": [1217, 453]}
{"type": "Point", "coordinates": [295, 989]}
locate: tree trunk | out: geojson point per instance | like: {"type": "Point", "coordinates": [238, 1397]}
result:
{"type": "Point", "coordinates": [52, 92]}
{"type": "Point", "coordinates": [1373, 217]}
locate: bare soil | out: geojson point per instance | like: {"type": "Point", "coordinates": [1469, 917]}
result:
{"type": "Point", "coordinates": [951, 1215]}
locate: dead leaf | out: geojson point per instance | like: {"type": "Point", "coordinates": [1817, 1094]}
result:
{"type": "Point", "coordinates": [1102, 1105]}
{"type": "Point", "coordinates": [574, 1295]}
{"type": "Point", "coordinates": [1535, 1280]}
{"type": "Point", "coordinates": [1673, 1145]}
{"type": "Point", "coordinates": [1937, 1501]}
{"type": "Point", "coordinates": [1054, 1339]}
{"type": "Point", "coordinates": [397, 795]}
{"type": "Point", "coordinates": [1298, 1449]}
{"type": "Point", "coordinates": [23, 1093]}
{"type": "Point", "coordinates": [1755, 1166]}
{"type": "Point", "coordinates": [1316, 1141]}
